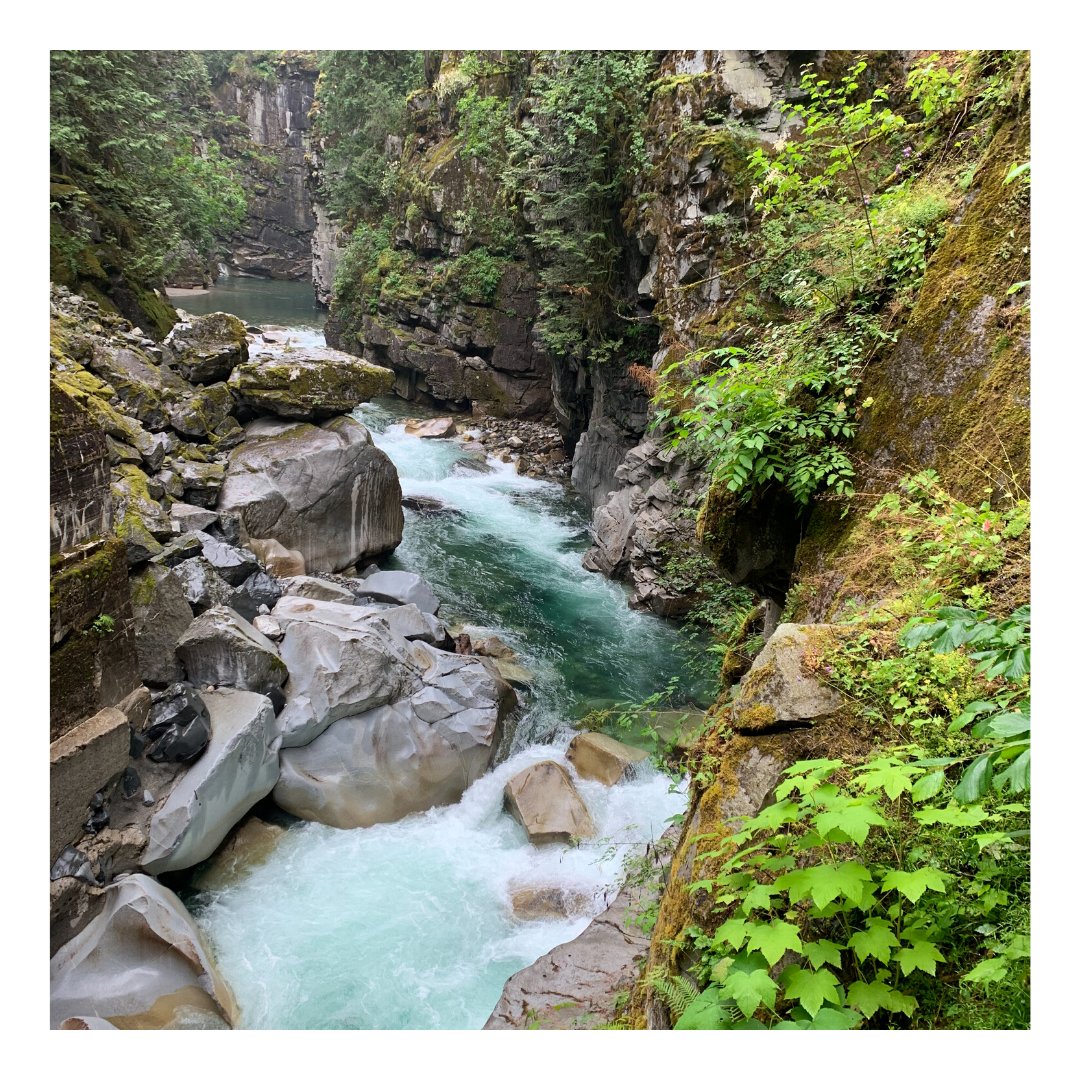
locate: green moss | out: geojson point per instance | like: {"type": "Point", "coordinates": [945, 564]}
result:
{"type": "Point", "coordinates": [759, 717]}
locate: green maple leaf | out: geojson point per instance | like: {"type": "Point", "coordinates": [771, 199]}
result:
{"type": "Point", "coordinates": [750, 989]}
{"type": "Point", "coordinates": [952, 815]}
{"type": "Point", "coordinates": [853, 821]}
{"type": "Point", "coordinates": [987, 971]}
{"type": "Point", "coordinates": [877, 941]}
{"type": "Point", "coordinates": [922, 955]}
{"type": "Point", "coordinates": [773, 939]}
{"type": "Point", "coordinates": [822, 952]}
{"type": "Point", "coordinates": [760, 896]}
{"type": "Point", "coordinates": [733, 931]}
{"type": "Point", "coordinates": [826, 882]}
{"type": "Point", "coordinates": [913, 883]}
{"type": "Point", "coordinates": [892, 778]}
{"type": "Point", "coordinates": [811, 988]}
{"type": "Point", "coordinates": [869, 997]}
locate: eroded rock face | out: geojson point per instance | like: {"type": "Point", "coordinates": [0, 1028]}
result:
{"type": "Point", "coordinates": [342, 665]}
{"type": "Point", "coordinates": [162, 614]}
{"type": "Point", "coordinates": [308, 385]}
{"type": "Point", "coordinates": [401, 587]}
{"type": "Point", "coordinates": [237, 769]}
{"type": "Point", "coordinates": [327, 492]}
{"type": "Point", "coordinates": [221, 649]}
{"type": "Point", "coordinates": [141, 963]}
{"type": "Point", "coordinates": [543, 799]}
{"type": "Point", "coordinates": [418, 751]}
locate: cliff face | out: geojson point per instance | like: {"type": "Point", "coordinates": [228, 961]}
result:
{"type": "Point", "coordinates": [433, 300]}
{"type": "Point", "coordinates": [270, 148]}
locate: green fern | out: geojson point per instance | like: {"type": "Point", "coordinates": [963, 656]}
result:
{"type": "Point", "coordinates": [676, 992]}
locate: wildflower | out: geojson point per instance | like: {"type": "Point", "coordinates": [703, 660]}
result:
{"type": "Point", "coordinates": [987, 526]}
{"type": "Point", "coordinates": [906, 152]}
{"type": "Point", "coordinates": [866, 200]}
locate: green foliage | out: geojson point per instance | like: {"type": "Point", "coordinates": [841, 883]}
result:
{"type": "Point", "coordinates": [1001, 649]}
{"type": "Point", "coordinates": [360, 101]}
{"type": "Point", "coordinates": [102, 625]}
{"type": "Point", "coordinates": [842, 905]}
{"type": "Point", "coordinates": [569, 164]}
{"type": "Point", "coordinates": [775, 412]}
{"type": "Point", "coordinates": [129, 184]}
{"type": "Point", "coordinates": [473, 277]}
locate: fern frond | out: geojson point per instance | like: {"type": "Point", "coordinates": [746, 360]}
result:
{"type": "Point", "coordinates": [676, 992]}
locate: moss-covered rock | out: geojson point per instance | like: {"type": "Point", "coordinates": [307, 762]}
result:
{"type": "Point", "coordinates": [309, 386]}
{"type": "Point", "coordinates": [208, 347]}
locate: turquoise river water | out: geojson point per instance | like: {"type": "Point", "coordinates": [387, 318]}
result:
{"type": "Point", "coordinates": [408, 925]}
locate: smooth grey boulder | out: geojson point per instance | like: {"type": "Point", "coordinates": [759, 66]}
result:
{"type": "Point", "coordinates": [401, 587]}
{"type": "Point", "coordinates": [405, 620]}
{"type": "Point", "coordinates": [327, 491]}
{"type": "Point", "coordinates": [221, 649]}
{"type": "Point", "coordinates": [237, 769]}
{"type": "Point", "coordinates": [404, 757]}
{"type": "Point", "coordinates": [543, 799]}
{"type": "Point", "coordinates": [339, 668]}
{"type": "Point", "coordinates": [314, 588]}
{"type": "Point", "coordinates": [161, 615]}
{"type": "Point", "coordinates": [141, 963]}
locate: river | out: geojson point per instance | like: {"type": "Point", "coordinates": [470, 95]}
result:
{"type": "Point", "coordinates": [408, 925]}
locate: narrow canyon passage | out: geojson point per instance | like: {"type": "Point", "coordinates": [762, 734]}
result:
{"type": "Point", "coordinates": [410, 924]}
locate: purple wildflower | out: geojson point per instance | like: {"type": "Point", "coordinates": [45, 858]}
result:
{"type": "Point", "coordinates": [906, 152]}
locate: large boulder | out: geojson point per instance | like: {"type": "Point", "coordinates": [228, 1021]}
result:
{"type": "Point", "coordinates": [327, 492]}
{"type": "Point", "coordinates": [221, 649]}
{"type": "Point", "coordinates": [543, 799]}
{"type": "Point", "coordinates": [138, 518]}
{"type": "Point", "coordinates": [596, 756]}
{"type": "Point", "coordinates": [161, 615]}
{"type": "Point", "coordinates": [342, 664]}
{"type": "Point", "coordinates": [778, 692]}
{"type": "Point", "coordinates": [403, 757]}
{"type": "Point", "coordinates": [144, 387]}
{"type": "Point", "coordinates": [312, 588]}
{"type": "Point", "coordinates": [203, 413]}
{"type": "Point", "coordinates": [208, 347]}
{"type": "Point", "coordinates": [141, 963]}
{"type": "Point", "coordinates": [237, 769]}
{"type": "Point", "coordinates": [235, 565]}
{"type": "Point", "coordinates": [308, 385]}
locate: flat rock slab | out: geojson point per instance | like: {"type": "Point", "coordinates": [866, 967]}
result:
{"type": "Point", "coordinates": [308, 384]}
{"type": "Point", "coordinates": [313, 588]}
{"type": "Point", "coordinates": [543, 799]}
{"type": "Point", "coordinates": [777, 691]}
{"type": "Point", "coordinates": [238, 768]}
{"type": "Point", "coordinates": [596, 756]}
{"type": "Point", "coordinates": [401, 587]}
{"type": "Point", "coordinates": [574, 985]}
{"type": "Point", "coordinates": [141, 963]}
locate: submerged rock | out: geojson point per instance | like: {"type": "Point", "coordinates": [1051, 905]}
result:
{"type": "Point", "coordinates": [549, 902]}
{"type": "Point", "coordinates": [543, 799]}
{"type": "Point", "coordinates": [327, 492]}
{"type": "Point", "coordinates": [141, 963]}
{"type": "Point", "coordinates": [239, 767]}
